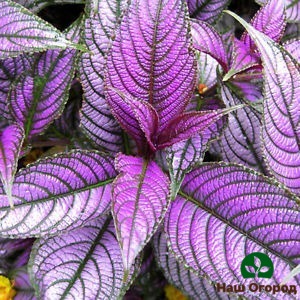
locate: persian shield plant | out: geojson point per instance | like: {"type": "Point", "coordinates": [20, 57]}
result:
{"type": "Point", "coordinates": [160, 129]}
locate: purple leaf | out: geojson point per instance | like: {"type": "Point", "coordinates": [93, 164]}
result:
{"type": "Point", "coordinates": [85, 263]}
{"type": "Point", "coordinates": [38, 97]}
{"type": "Point", "coordinates": [250, 89]}
{"type": "Point", "coordinates": [137, 117]}
{"type": "Point", "coordinates": [183, 156]}
{"type": "Point", "coordinates": [206, 39]}
{"type": "Point", "coordinates": [11, 140]}
{"type": "Point", "coordinates": [96, 119]}
{"type": "Point", "coordinates": [270, 20]}
{"type": "Point", "coordinates": [190, 123]}
{"type": "Point", "coordinates": [292, 8]}
{"type": "Point", "coordinates": [281, 126]}
{"type": "Point", "coordinates": [22, 285]}
{"type": "Point", "coordinates": [240, 141]}
{"type": "Point", "coordinates": [218, 219]}
{"type": "Point", "coordinates": [293, 47]}
{"type": "Point", "coordinates": [34, 34]}
{"type": "Point", "coordinates": [207, 10]}
{"type": "Point", "coordinates": [57, 194]}
{"type": "Point", "coordinates": [228, 36]}
{"type": "Point", "coordinates": [185, 280]}
{"type": "Point", "coordinates": [243, 58]}
{"type": "Point", "coordinates": [10, 69]}
{"type": "Point", "coordinates": [152, 60]}
{"type": "Point", "coordinates": [140, 200]}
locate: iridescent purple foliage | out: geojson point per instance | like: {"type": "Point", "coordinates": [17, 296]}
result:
{"type": "Point", "coordinates": [161, 130]}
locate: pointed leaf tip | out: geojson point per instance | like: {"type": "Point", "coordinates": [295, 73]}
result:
{"type": "Point", "coordinates": [270, 20]}
{"type": "Point", "coordinates": [188, 124]}
{"type": "Point", "coordinates": [206, 39]}
{"type": "Point", "coordinates": [137, 117]}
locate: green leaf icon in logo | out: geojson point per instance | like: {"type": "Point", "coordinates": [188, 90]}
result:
{"type": "Point", "coordinates": [257, 264]}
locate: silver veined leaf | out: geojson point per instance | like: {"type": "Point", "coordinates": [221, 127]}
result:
{"type": "Point", "coordinates": [217, 220]}
{"type": "Point", "coordinates": [39, 94]}
{"type": "Point", "coordinates": [240, 141]}
{"type": "Point", "coordinates": [183, 156]}
{"type": "Point", "coordinates": [177, 274]}
{"type": "Point", "coordinates": [292, 46]}
{"type": "Point", "coordinates": [153, 60]}
{"type": "Point", "coordinates": [57, 194]}
{"type": "Point", "coordinates": [140, 200]}
{"type": "Point", "coordinates": [10, 70]}
{"type": "Point", "coordinates": [21, 31]}
{"type": "Point", "coordinates": [85, 264]}
{"type": "Point", "coordinates": [292, 9]}
{"type": "Point", "coordinates": [97, 121]}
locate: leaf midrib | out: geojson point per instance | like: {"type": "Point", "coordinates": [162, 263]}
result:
{"type": "Point", "coordinates": [38, 91]}
{"type": "Point", "coordinates": [56, 197]}
{"type": "Point", "coordinates": [153, 52]}
{"type": "Point", "coordinates": [86, 259]}
{"type": "Point", "coordinates": [138, 194]}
